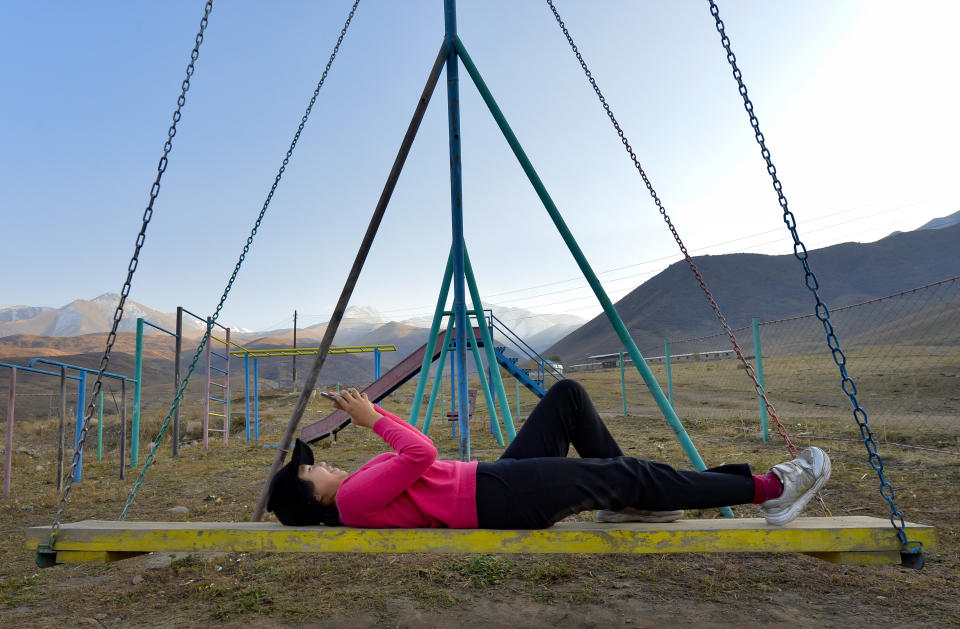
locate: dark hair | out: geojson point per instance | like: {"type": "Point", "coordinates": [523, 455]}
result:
{"type": "Point", "coordinates": [328, 515]}
{"type": "Point", "coordinates": [292, 500]}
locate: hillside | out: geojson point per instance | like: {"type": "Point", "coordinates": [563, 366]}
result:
{"type": "Point", "coordinates": [671, 304]}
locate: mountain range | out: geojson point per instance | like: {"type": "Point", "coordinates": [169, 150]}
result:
{"type": "Point", "coordinates": [75, 333]}
{"type": "Point", "coordinates": [671, 305]}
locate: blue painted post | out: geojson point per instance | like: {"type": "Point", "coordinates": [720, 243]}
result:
{"type": "Point", "coordinates": [137, 387]}
{"type": "Point", "coordinates": [453, 375]}
{"type": "Point", "coordinates": [100, 427]}
{"type": "Point", "coordinates": [256, 399]}
{"type": "Point", "coordinates": [764, 430]}
{"type": "Point", "coordinates": [376, 363]}
{"type": "Point", "coordinates": [453, 389]}
{"type": "Point", "coordinates": [456, 211]}
{"type": "Point", "coordinates": [623, 386]}
{"type": "Point", "coordinates": [246, 391]}
{"type": "Point", "coordinates": [666, 358]}
{"type": "Point", "coordinates": [81, 404]}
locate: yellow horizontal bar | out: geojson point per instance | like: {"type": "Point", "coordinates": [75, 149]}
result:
{"type": "Point", "coordinates": [312, 351]}
{"type": "Point", "coordinates": [856, 534]}
{"type": "Point", "coordinates": [238, 345]}
{"type": "Point", "coordinates": [217, 338]}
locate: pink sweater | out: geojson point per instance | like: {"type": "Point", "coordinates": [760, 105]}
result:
{"type": "Point", "coordinates": [409, 488]}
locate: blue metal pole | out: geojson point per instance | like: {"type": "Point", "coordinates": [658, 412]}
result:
{"type": "Point", "coordinates": [453, 374]}
{"type": "Point", "coordinates": [81, 404]}
{"type": "Point", "coordinates": [764, 430]}
{"type": "Point", "coordinates": [256, 399]}
{"type": "Point", "coordinates": [246, 391]}
{"type": "Point", "coordinates": [376, 363]}
{"type": "Point", "coordinates": [456, 207]}
{"type": "Point", "coordinates": [100, 427]}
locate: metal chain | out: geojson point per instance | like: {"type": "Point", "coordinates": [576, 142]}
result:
{"type": "Point", "coordinates": [781, 429]}
{"type": "Point", "coordinates": [243, 254]}
{"type": "Point", "coordinates": [118, 313]}
{"type": "Point", "coordinates": [822, 313]}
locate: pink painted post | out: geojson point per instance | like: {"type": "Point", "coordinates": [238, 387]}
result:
{"type": "Point", "coordinates": [226, 393]}
{"type": "Point", "coordinates": [8, 459]}
{"type": "Point", "coordinates": [206, 388]}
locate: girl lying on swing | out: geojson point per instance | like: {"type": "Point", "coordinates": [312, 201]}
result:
{"type": "Point", "coordinates": [532, 485]}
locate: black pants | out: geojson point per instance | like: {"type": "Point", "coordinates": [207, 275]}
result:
{"type": "Point", "coordinates": [534, 484]}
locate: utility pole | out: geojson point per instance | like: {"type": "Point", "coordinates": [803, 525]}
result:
{"type": "Point", "coordinates": [294, 347]}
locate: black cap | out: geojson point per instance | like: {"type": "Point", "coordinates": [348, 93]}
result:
{"type": "Point", "coordinates": [289, 498]}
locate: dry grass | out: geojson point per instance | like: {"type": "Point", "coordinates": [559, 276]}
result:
{"type": "Point", "coordinates": [431, 590]}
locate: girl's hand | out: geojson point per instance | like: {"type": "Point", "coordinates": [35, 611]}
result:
{"type": "Point", "coordinates": [358, 406]}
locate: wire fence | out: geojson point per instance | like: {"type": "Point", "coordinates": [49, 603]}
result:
{"type": "Point", "coordinates": [902, 350]}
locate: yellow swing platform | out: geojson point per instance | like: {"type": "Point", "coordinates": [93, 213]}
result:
{"type": "Point", "coordinates": [846, 540]}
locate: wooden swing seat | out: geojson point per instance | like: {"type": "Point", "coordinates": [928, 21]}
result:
{"type": "Point", "coordinates": [855, 539]}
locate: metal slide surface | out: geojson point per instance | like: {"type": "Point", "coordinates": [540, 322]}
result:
{"type": "Point", "coordinates": [519, 374]}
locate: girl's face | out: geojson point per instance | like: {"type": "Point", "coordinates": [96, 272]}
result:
{"type": "Point", "coordinates": [326, 480]}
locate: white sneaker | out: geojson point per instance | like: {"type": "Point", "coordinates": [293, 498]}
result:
{"type": "Point", "coordinates": [629, 514]}
{"type": "Point", "coordinates": [802, 478]}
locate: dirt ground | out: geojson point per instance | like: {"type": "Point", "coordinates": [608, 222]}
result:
{"type": "Point", "coordinates": [274, 590]}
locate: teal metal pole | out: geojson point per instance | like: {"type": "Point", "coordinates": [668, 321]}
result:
{"type": "Point", "coordinates": [764, 429]}
{"type": "Point", "coordinates": [438, 379]}
{"type": "Point", "coordinates": [488, 347]}
{"type": "Point", "coordinates": [618, 325]}
{"type": "Point", "coordinates": [137, 388]}
{"type": "Point", "coordinates": [623, 386]}
{"type": "Point", "coordinates": [666, 355]}
{"type": "Point", "coordinates": [431, 341]}
{"type": "Point", "coordinates": [518, 397]}
{"type": "Point", "coordinates": [100, 427]}
{"type": "Point", "coordinates": [487, 396]}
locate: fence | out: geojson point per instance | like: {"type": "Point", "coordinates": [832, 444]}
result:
{"type": "Point", "coordinates": [903, 352]}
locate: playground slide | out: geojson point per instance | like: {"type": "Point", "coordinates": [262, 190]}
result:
{"type": "Point", "coordinates": [378, 389]}
{"type": "Point", "coordinates": [519, 374]}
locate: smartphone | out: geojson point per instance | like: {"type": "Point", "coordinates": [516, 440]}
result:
{"type": "Point", "coordinates": [329, 396]}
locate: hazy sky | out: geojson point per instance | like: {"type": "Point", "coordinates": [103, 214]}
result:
{"type": "Point", "coordinates": [858, 101]}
